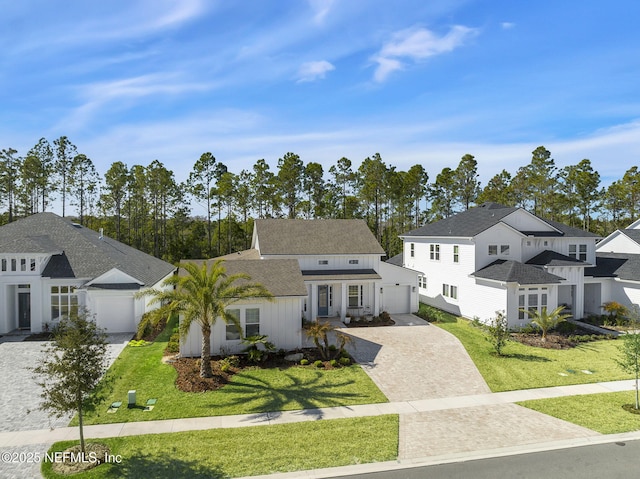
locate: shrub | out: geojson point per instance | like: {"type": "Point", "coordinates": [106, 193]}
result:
{"type": "Point", "coordinates": [229, 362]}
{"type": "Point", "coordinates": [345, 361]}
{"type": "Point", "coordinates": [173, 346]}
{"type": "Point", "coordinates": [498, 331]}
{"type": "Point", "coordinates": [385, 317]}
{"type": "Point", "coordinates": [304, 362]}
{"type": "Point", "coordinates": [254, 353]}
{"type": "Point", "coordinates": [566, 328]}
{"type": "Point", "coordinates": [334, 363]}
{"type": "Point", "coordinates": [136, 343]}
{"type": "Point", "coordinates": [318, 364]}
{"type": "Point", "coordinates": [617, 312]}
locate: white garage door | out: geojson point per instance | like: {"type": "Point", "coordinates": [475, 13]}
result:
{"type": "Point", "coordinates": [396, 299]}
{"type": "Point", "coordinates": [115, 314]}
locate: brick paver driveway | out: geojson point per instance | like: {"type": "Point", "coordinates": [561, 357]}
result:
{"type": "Point", "coordinates": [414, 360]}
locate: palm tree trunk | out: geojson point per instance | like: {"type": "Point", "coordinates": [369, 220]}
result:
{"type": "Point", "coordinates": [205, 356]}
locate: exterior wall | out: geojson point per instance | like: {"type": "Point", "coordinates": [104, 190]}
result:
{"type": "Point", "coordinates": [311, 262]}
{"type": "Point", "coordinates": [393, 275]}
{"type": "Point", "coordinates": [339, 305]}
{"type": "Point", "coordinates": [624, 292]}
{"type": "Point", "coordinates": [617, 242]}
{"type": "Point", "coordinates": [524, 221]}
{"type": "Point", "coordinates": [279, 319]}
{"type": "Point", "coordinates": [483, 299]}
{"type": "Point", "coordinates": [497, 235]}
{"type": "Point", "coordinates": [113, 310]}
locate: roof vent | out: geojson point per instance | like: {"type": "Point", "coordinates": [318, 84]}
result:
{"type": "Point", "coordinates": [76, 225]}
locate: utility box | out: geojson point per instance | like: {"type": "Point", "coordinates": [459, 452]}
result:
{"type": "Point", "coordinates": [132, 399]}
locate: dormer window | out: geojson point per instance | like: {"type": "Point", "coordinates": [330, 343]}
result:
{"type": "Point", "coordinates": [504, 249]}
{"type": "Point", "coordinates": [578, 251]}
{"type": "Point", "coordinates": [493, 250]}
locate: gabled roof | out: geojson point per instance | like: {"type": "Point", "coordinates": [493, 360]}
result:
{"type": "Point", "coordinates": [476, 220]}
{"type": "Point", "coordinates": [516, 272]}
{"type": "Point", "coordinates": [616, 265]}
{"type": "Point", "coordinates": [339, 274]}
{"type": "Point", "coordinates": [632, 234]}
{"type": "Point", "coordinates": [553, 258]}
{"type": "Point", "coordinates": [315, 237]}
{"type": "Point", "coordinates": [281, 277]}
{"type": "Point", "coordinates": [466, 224]}
{"type": "Point", "coordinates": [78, 252]}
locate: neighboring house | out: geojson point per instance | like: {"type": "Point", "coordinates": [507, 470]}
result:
{"type": "Point", "coordinates": [618, 266]}
{"type": "Point", "coordinates": [496, 258]}
{"type": "Point", "coordinates": [50, 265]}
{"type": "Point", "coordinates": [315, 269]}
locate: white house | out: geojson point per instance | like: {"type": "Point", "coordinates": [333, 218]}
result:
{"type": "Point", "coordinates": [50, 265]}
{"type": "Point", "coordinates": [618, 266]}
{"type": "Point", "coordinates": [314, 269]}
{"type": "Point", "coordinates": [496, 258]}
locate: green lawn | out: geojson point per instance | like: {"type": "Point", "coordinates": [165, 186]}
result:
{"type": "Point", "coordinates": [525, 367]}
{"type": "Point", "coordinates": [246, 451]}
{"type": "Point", "coordinates": [600, 412]}
{"type": "Point", "coordinates": [251, 391]}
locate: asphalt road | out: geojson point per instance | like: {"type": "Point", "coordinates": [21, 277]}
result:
{"type": "Point", "coordinates": [603, 461]}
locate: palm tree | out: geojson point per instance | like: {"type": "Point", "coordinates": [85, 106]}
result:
{"type": "Point", "coordinates": [546, 320]}
{"type": "Point", "coordinates": [201, 295]}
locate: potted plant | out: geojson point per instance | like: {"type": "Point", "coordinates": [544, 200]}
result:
{"type": "Point", "coordinates": [347, 319]}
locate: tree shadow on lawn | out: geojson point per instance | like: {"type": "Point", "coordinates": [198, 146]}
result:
{"type": "Point", "coordinates": [303, 392]}
{"type": "Point", "coordinates": [161, 467]}
{"type": "Point", "coordinates": [527, 357]}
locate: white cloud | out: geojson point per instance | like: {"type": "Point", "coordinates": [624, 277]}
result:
{"type": "Point", "coordinates": [312, 71]}
{"type": "Point", "coordinates": [508, 25]}
{"type": "Point", "coordinates": [416, 44]}
{"type": "Point", "coordinates": [321, 9]}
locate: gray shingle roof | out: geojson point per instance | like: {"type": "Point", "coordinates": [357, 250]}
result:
{"type": "Point", "coordinates": [396, 260]}
{"type": "Point", "coordinates": [633, 234]}
{"type": "Point", "coordinates": [78, 251]}
{"type": "Point", "coordinates": [553, 258]}
{"type": "Point", "coordinates": [516, 272]}
{"type": "Point", "coordinates": [466, 224]}
{"type": "Point", "coordinates": [281, 277]}
{"type": "Point", "coordinates": [616, 265]}
{"type": "Point", "coordinates": [476, 220]}
{"type": "Point", "coordinates": [315, 237]}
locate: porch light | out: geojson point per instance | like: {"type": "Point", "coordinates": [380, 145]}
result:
{"type": "Point", "coordinates": [413, 289]}
{"type": "Point", "coordinates": [380, 290]}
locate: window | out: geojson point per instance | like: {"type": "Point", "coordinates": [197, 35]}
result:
{"type": "Point", "coordinates": [4, 264]}
{"type": "Point", "coordinates": [32, 264]}
{"type": "Point", "coordinates": [353, 261]}
{"type": "Point", "coordinates": [413, 250]}
{"type": "Point", "coordinates": [434, 252]}
{"type": "Point", "coordinates": [528, 243]}
{"type": "Point", "coordinates": [422, 281]}
{"type": "Point", "coordinates": [450, 291]}
{"type": "Point", "coordinates": [355, 295]}
{"type": "Point", "coordinates": [531, 298]}
{"type": "Point", "coordinates": [578, 251]}
{"type": "Point", "coordinates": [493, 249]}
{"type": "Point", "coordinates": [454, 292]}
{"type": "Point", "coordinates": [233, 332]}
{"type": "Point", "coordinates": [252, 322]}
{"type": "Point", "coordinates": [445, 289]}
{"type": "Point", "coordinates": [546, 243]}
{"type": "Point", "coordinates": [13, 264]}
{"type": "Point", "coordinates": [23, 264]}
{"type": "Point", "coordinates": [456, 253]}
{"type": "Point", "coordinates": [64, 301]}
{"type": "Point", "coordinates": [521, 304]}
{"type": "Point", "coordinates": [323, 261]}
{"type": "Point", "coordinates": [504, 249]}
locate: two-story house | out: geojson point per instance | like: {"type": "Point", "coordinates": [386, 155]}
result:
{"type": "Point", "coordinates": [315, 269]}
{"type": "Point", "coordinates": [50, 266]}
{"type": "Point", "coordinates": [496, 258]}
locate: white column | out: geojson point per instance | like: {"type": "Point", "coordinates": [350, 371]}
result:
{"type": "Point", "coordinates": [376, 302]}
{"type": "Point", "coordinates": [343, 302]}
{"type": "Point", "coordinates": [578, 307]}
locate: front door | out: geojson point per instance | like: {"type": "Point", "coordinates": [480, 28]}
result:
{"type": "Point", "coordinates": [24, 310]}
{"type": "Point", "coordinates": [323, 300]}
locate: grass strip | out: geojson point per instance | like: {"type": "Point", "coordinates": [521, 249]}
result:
{"type": "Point", "coordinates": [219, 453]}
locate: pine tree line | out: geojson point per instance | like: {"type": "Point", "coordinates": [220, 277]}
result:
{"type": "Point", "coordinates": [145, 207]}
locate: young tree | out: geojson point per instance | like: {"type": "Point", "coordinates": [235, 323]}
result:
{"type": "Point", "coordinates": [498, 330]}
{"type": "Point", "coordinates": [72, 366]}
{"type": "Point", "coordinates": [629, 359]}
{"type": "Point", "coordinates": [201, 296]}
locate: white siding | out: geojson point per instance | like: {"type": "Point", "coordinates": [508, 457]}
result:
{"type": "Point", "coordinates": [114, 311]}
{"type": "Point", "coordinates": [403, 278]}
{"type": "Point", "coordinates": [524, 221]}
{"type": "Point", "coordinates": [618, 243]}
{"type": "Point", "coordinates": [624, 292]}
{"type": "Point", "coordinates": [497, 235]}
{"type": "Point", "coordinates": [312, 262]}
{"type": "Point", "coordinates": [280, 320]}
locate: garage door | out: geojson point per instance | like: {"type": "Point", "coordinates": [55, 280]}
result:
{"type": "Point", "coordinates": [396, 299]}
{"type": "Point", "coordinates": [115, 314]}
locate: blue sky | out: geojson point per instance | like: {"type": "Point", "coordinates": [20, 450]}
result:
{"type": "Point", "coordinates": [422, 81]}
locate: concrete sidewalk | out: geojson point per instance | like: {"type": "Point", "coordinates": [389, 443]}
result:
{"type": "Point", "coordinates": [406, 408]}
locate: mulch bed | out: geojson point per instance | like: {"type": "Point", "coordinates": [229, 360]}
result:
{"type": "Point", "coordinates": [188, 369]}
{"type": "Point", "coordinates": [554, 340]}
{"type": "Point", "coordinates": [356, 323]}
{"type": "Point", "coordinates": [95, 455]}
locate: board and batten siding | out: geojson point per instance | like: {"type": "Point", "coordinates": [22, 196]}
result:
{"type": "Point", "coordinates": [312, 262]}
{"type": "Point", "coordinates": [280, 320]}
{"type": "Point", "coordinates": [618, 243]}
{"type": "Point", "coordinates": [498, 235]}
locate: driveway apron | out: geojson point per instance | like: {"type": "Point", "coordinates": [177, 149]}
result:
{"type": "Point", "coordinates": [415, 360]}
